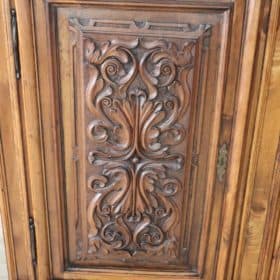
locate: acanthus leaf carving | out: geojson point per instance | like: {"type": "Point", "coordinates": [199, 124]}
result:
{"type": "Point", "coordinates": [137, 95]}
{"type": "Point", "coordinates": [136, 123]}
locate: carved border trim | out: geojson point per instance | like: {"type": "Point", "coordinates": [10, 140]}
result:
{"type": "Point", "coordinates": [172, 30]}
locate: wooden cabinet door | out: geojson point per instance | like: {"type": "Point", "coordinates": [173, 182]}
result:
{"type": "Point", "coordinates": [142, 115]}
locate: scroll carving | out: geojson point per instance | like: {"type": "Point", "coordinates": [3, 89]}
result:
{"type": "Point", "coordinates": [138, 93]}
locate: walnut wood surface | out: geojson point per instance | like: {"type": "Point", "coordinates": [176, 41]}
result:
{"type": "Point", "coordinates": [138, 97]}
{"type": "Point", "coordinates": [136, 92]}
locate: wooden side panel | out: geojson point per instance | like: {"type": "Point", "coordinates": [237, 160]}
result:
{"type": "Point", "coordinates": [275, 264]}
{"type": "Point", "coordinates": [270, 254]}
{"type": "Point", "coordinates": [13, 197]}
{"type": "Point", "coordinates": [262, 199]}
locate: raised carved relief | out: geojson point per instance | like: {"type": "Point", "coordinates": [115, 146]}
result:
{"type": "Point", "coordinates": [138, 94]}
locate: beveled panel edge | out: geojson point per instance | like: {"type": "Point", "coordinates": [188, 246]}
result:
{"type": "Point", "coordinates": [203, 32]}
{"type": "Point", "coordinates": [226, 15]}
{"type": "Point", "coordinates": [200, 4]}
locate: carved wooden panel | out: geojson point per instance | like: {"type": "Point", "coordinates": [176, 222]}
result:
{"type": "Point", "coordinates": [136, 108]}
{"type": "Point", "coordinates": [128, 139]}
{"type": "Point", "coordinates": [138, 91]}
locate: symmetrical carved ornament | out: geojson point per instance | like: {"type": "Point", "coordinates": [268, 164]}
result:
{"type": "Point", "coordinates": [138, 92]}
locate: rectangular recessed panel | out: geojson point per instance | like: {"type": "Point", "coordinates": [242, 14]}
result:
{"type": "Point", "coordinates": [135, 92]}
{"type": "Point", "coordinates": [137, 98]}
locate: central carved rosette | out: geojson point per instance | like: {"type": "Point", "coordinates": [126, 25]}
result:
{"type": "Point", "coordinates": [138, 94]}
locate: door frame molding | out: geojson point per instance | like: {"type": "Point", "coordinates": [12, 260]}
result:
{"type": "Point", "coordinates": [14, 193]}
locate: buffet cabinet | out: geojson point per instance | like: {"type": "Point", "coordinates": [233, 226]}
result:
{"type": "Point", "coordinates": [133, 135]}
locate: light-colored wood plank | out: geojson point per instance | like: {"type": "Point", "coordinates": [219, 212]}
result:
{"type": "Point", "coordinates": [264, 147]}
{"type": "Point", "coordinates": [249, 41]}
{"type": "Point", "coordinates": [31, 125]}
{"type": "Point", "coordinates": [13, 181]}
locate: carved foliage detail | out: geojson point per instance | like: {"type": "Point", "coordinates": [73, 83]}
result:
{"type": "Point", "coordinates": [137, 94]}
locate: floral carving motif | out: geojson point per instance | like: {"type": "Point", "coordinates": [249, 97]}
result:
{"type": "Point", "coordinates": [137, 95]}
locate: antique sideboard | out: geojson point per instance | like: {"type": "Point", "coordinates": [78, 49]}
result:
{"type": "Point", "coordinates": [140, 139]}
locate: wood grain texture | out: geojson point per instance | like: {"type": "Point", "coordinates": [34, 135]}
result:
{"type": "Point", "coordinates": [32, 132]}
{"type": "Point", "coordinates": [275, 265]}
{"type": "Point", "coordinates": [259, 184]}
{"type": "Point", "coordinates": [253, 101]}
{"type": "Point", "coordinates": [6, 220]}
{"type": "Point", "coordinates": [270, 246]}
{"type": "Point", "coordinates": [270, 250]}
{"type": "Point", "coordinates": [13, 181]}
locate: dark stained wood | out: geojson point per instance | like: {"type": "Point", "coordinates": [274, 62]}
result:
{"type": "Point", "coordinates": [129, 155]}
